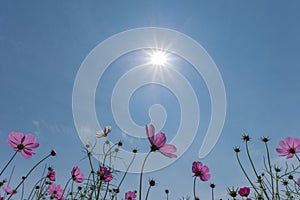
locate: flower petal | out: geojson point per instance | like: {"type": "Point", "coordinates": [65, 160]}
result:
{"type": "Point", "coordinates": [150, 130]}
{"type": "Point", "coordinates": [167, 150]}
{"type": "Point", "coordinates": [160, 140]}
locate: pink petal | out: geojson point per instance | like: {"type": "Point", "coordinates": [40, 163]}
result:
{"type": "Point", "coordinates": [150, 130]}
{"type": "Point", "coordinates": [205, 169]}
{"type": "Point", "coordinates": [29, 139]}
{"type": "Point", "coordinates": [205, 177]}
{"type": "Point", "coordinates": [167, 150]}
{"type": "Point", "coordinates": [159, 140]}
{"type": "Point", "coordinates": [289, 141]}
{"type": "Point", "coordinates": [16, 137]}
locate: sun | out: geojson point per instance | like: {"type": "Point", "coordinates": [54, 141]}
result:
{"type": "Point", "coordinates": [159, 58]}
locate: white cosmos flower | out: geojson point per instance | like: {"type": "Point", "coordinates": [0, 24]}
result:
{"type": "Point", "coordinates": [104, 132]}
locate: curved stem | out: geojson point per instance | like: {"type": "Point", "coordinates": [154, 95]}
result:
{"type": "Point", "coordinates": [251, 162]}
{"type": "Point", "coordinates": [131, 162]}
{"type": "Point", "coordinates": [277, 187]}
{"type": "Point", "coordinates": [195, 187]}
{"type": "Point", "coordinates": [148, 192]}
{"type": "Point", "coordinates": [8, 163]}
{"type": "Point", "coordinates": [141, 175]}
{"type": "Point", "coordinates": [270, 170]}
{"type": "Point", "coordinates": [66, 186]}
{"type": "Point", "coordinates": [297, 157]}
{"type": "Point", "coordinates": [106, 191]}
{"type": "Point", "coordinates": [241, 166]}
{"type": "Point", "coordinates": [29, 174]}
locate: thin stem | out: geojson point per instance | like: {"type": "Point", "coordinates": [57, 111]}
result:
{"type": "Point", "coordinates": [270, 170]}
{"type": "Point", "coordinates": [277, 187]}
{"type": "Point", "coordinates": [66, 186]}
{"type": "Point", "coordinates": [212, 193]}
{"type": "Point", "coordinates": [148, 192]}
{"type": "Point", "coordinates": [297, 157]}
{"type": "Point", "coordinates": [195, 188]}
{"type": "Point", "coordinates": [141, 175]}
{"type": "Point", "coordinates": [25, 177]}
{"type": "Point", "coordinates": [238, 159]}
{"type": "Point", "coordinates": [131, 162]}
{"type": "Point", "coordinates": [99, 189]}
{"type": "Point", "coordinates": [249, 157]}
{"type": "Point", "coordinates": [106, 191]}
{"type": "Point", "coordinates": [8, 163]}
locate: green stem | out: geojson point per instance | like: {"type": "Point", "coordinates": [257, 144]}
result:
{"type": "Point", "coordinates": [141, 175]}
{"type": "Point", "coordinates": [99, 189]}
{"type": "Point", "coordinates": [66, 186]}
{"type": "Point", "coordinates": [270, 169]}
{"type": "Point", "coordinates": [8, 163]}
{"type": "Point", "coordinates": [131, 162]}
{"type": "Point", "coordinates": [29, 174]}
{"type": "Point", "coordinates": [148, 192]}
{"type": "Point", "coordinates": [297, 157]}
{"type": "Point", "coordinates": [241, 166]}
{"type": "Point", "coordinates": [277, 187]}
{"type": "Point", "coordinates": [195, 187]}
{"type": "Point", "coordinates": [106, 191]}
{"type": "Point", "coordinates": [249, 157]}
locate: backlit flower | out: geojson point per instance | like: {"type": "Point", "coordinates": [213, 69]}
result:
{"type": "Point", "coordinates": [158, 142]}
{"type": "Point", "coordinates": [8, 190]}
{"type": "Point", "coordinates": [105, 174]}
{"type": "Point", "coordinates": [130, 195]}
{"type": "Point", "coordinates": [201, 171]}
{"type": "Point", "coordinates": [22, 143]}
{"type": "Point", "coordinates": [77, 176]}
{"type": "Point", "coordinates": [56, 191]}
{"type": "Point", "coordinates": [104, 132]}
{"type": "Point", "coordinates": [51, 175]}
{"type": "Point", "coordinates": [244, 192]}
{"type": "Point", "coordinates": [289, 147]}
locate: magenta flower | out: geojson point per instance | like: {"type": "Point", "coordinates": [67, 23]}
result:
{"type": "Point", "coordinates": [130, 195]}
{"type": "Point", "coordinates": [77, 176]}
{"type": "Point", "coordinates": [298, 181]}
{"type": "Point", "coordinates": [51, 175]}
{"type": "Point", "coordinates": [244, 192]}
{"type": "Point", "coordinates": [22, 143]}
{"type": "Point", "coordinates": [201, 171]}
{"type": "Point", "coordinates": [105, 174]}
{"type": "Point", "coordinates": [56, 191]}
{"type": "Point", "coordinates": [158, 142]}
{"type": "Point", "coordinates": [8, 190]}
{"type": "Point", "coordinates": [1, 198]}
{"type": "Point", "coordinates": [290, 146]}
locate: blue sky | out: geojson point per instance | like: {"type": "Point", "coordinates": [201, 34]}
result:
{"type": "Point", "coordinates": [255, 45]}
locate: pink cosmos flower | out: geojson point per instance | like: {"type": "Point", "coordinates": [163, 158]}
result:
{"type": "Point", "coordinates": [51, 175]}
{"type": "Point", "coordinates": [298, 181]}
{"type": "Point", "coordinates": [8, 190]}
{"type": "Point", "coordinates": [201, 171]}
{"type": "Point", "coordinates": [130, 195]}
{"type": "Point", "coordinates": [158, 142]}
{"type": "Point", "coordinates": [77, 176]}
{"type": "Point", "coordinates": [290, 146]}
{"type": "Point", "coordinates": [244, 192]}
{"type": "Point", "coordinates": [105, 174]}
{"type": "Point", "coordinates": [1, 198]}
{"type": "Point", "coordinates": [22, 143]}
{"type": "Point", "coordinates": [56, 191]}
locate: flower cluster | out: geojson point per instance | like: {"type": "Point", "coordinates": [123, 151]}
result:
{"type": "Point", "coordinates": [100, 182]}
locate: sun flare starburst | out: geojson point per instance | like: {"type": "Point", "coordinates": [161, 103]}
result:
{"type": "Point", "coordinates": [159, 58]}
